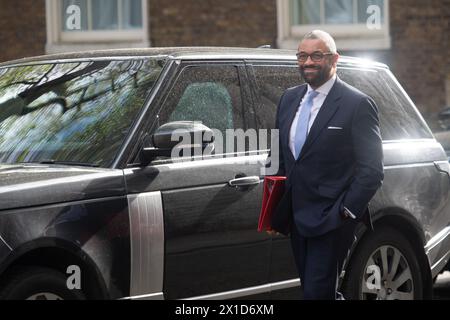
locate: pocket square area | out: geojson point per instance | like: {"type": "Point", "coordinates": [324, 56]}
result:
{"type": "Point", "coordinates": [335, 128]}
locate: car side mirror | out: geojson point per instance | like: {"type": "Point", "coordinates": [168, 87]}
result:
{"type": "Point", "coordinates": [177, 137]}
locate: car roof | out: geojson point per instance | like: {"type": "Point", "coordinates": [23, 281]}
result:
{"type": "Point", "coordinates": [185, 53]}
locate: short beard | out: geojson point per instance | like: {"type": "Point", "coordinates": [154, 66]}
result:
{"type": "Point", "coordinates": [320, 79]}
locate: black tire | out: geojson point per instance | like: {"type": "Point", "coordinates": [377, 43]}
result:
{"type": "Point", "coordinates": [390, 243]}
{"type": "Point", "coordinates": [37, 283]}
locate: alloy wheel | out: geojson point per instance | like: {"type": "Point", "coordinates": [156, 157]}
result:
{"type": "Point", "coordinates": [387, 276]}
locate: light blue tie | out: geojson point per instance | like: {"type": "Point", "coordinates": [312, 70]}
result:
{"type": "Point", "coordinates": [303, 123]}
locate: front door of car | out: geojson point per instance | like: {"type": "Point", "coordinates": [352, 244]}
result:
{"type": "Point", "coordinates": [212, 246]}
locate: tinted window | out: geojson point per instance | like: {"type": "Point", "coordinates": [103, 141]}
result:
{"type": "Point", "coordinates": [271, 83]}
{"type": "Point", "coordinates": [71, 112]}
{"type": "Point", "coordinates": [398, 117]}
{"type": "Point", "coordinates": [207, 94]}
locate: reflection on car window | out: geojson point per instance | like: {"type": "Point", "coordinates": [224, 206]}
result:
{"type": "Point", "coordinates": [208, 94]}
{"type": "Point", "coordinates": [272, 82]}
{"type": "Point", "coordinates": [74, 112]}
{"type": "Point", "coordinates": [398, 118]}
{"type": "Point", "coordinates": [207, 102]}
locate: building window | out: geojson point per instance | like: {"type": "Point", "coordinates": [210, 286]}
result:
{"type": "Point", "coordinates": [91, 24]}
{"type": "Point", "coordinates": [355, 24]}
{"type": "Point", "coordinates": [334, 12]}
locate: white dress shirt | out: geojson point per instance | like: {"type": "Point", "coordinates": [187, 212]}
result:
{"type": "Point", "coordinates": [318, 101]}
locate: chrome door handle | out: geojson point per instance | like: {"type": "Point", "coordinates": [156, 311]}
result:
{"type": "Point", "coordinates": [244, 182]}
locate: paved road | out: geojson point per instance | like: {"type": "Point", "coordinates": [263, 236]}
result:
{"type": "Point", "coordinates": [442, 287]}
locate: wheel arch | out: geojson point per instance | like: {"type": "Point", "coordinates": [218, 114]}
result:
{"type": "Point", "coordinates": [407, 224]}
{"type": "Point", "coordinates": [57, 254]}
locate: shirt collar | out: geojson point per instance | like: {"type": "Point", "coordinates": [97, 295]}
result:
{"type": "Point", "coordinates": [326, 87]}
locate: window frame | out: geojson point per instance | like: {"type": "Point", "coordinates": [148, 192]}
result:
{"type": "Point", "coordinates": [354, 36]}
{"type": "Point", "coordinates": [59, 40]}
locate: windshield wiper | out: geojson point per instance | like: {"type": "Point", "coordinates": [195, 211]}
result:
{"type": "Point", "coordinates": [68, 163]}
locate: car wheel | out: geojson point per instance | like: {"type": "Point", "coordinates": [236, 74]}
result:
{"type": "Point", "coordinates": [383, 267]}
{"type": "Point", "coordinates": [37, 284]}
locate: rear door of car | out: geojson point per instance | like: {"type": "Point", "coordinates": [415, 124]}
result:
{"type": "Point", "coordinates": [211, 246]}
{"type": "Point", "coordinates": [269, 81]}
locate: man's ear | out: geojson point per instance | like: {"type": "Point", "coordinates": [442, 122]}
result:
{"type": "Point", "coordinates": [336, 59]}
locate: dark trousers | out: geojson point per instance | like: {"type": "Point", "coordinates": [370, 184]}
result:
{"type": "Point", "coordinates": [320, 259]}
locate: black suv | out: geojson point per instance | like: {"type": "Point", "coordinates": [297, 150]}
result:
{"type": "Point", "coordinates": [92, 205]}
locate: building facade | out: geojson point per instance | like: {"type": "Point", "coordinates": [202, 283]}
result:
{"type": "Point", "coordinates": [411, 36]}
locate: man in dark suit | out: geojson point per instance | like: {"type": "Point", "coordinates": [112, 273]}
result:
{"type": "Point", "coordinates": [331, 150]}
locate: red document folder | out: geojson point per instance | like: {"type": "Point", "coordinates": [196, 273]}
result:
{"type": "Point", "coordinates": [272, 193]}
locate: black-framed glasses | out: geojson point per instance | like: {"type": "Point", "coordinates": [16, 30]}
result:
{"type": "Point", "coordinates": [316, 56]}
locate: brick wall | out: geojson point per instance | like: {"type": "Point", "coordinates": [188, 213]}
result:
{"type": "Point", "coordinates": [248, 23]}
{"type": "Point", "coordinates": [22, 28]}
{"type": "Point", "coordinates": [420, 51]}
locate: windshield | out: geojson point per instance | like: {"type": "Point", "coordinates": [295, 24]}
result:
{"type": "Point", "coordinates": [78, 112]}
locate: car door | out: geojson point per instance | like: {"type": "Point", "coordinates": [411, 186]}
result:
{"type": "Point", "coordinates": [212, 248]}
{"type": "Point", "coordinates": [270, 80]}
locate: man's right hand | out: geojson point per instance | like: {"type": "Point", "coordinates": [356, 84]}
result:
{"type": "Point", "coordinates": [272, 233]}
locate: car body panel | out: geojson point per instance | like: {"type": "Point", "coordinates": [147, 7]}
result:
{"type": "Point", "coordinates": [97, 229]}
{"type": "Point", "coordinates": [31, 185]}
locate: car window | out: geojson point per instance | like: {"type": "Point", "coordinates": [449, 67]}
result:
{"type": "Point", "coordinates": [399, 119]}
{"type": "Point", "coordinates": [76, 112]}
{"type": "Point", "coordinates": [271, 83]}
{"type": "Point", "coordinates": [210, 94]}
{"type": "Point", "coordinates": [208, 102]}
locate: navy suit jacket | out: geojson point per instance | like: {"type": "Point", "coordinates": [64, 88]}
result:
{"type": "Point", "coordinates": [341, 163]}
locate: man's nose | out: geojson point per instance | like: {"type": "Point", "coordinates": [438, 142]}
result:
{"type": "Point", "coordinates": [308, 59]}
